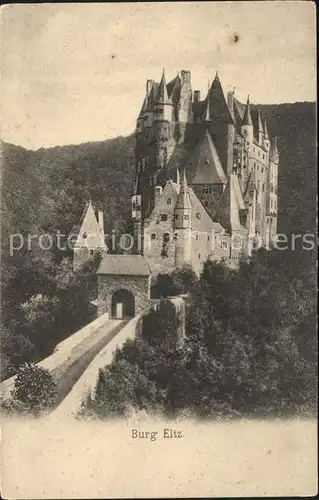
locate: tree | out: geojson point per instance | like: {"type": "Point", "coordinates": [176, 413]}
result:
{"type": "Point", "coordinates": [35, 388]}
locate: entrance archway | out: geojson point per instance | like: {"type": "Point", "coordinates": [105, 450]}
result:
{"type": "Point", "coordinates": [123, 304]}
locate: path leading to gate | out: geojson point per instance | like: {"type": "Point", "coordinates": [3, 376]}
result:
{"type": "Point", "coordinates": [72, 356]}
{"type": "Point", "coordinates": [84, 385]}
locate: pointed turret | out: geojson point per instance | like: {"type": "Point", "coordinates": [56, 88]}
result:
{"type": "Point", "coordinates": [266, 137]}
{"type": "Point", "coordinates": [162, 90]}
{"type": "Point", "coordinates": [207, 119]}
{"type": "Point", "coordinates": [260, 129]}
{"type": "Point", "coordinates": [183, 200]}
{"type": "Point", "coordinates": [247, 124]}
{"type": "Point", "coordinates": [247, 115]}
{"type": "Point", "coordinates": [183, 224]}
{"type": "Point", "coordinates": [266, 130]}
{"type": "Point", "coordinates": [163, 108]}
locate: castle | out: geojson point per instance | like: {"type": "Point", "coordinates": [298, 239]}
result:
{"type": "Point", "coordinates": [205, 188]}
{"type": "Point", "coordinates": [206, 176]}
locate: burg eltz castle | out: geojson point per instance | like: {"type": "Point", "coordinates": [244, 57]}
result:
{"type": "Point", "coordinates": [205, 188]}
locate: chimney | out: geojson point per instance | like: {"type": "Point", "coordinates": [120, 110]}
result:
{"type": "Point", "coordinates": [158, 193]}
{"type": "Point", "coordinates": [196, 95]}
{"type": "Point", "coordinates": [101, 223]}
{"type": "Point", "coordinates": [185, 76]}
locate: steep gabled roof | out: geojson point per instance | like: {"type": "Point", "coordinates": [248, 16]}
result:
{"type": "Point", "coordinates": [87, 233]}
{"type": "Point", "coordinates": [231, 202]}
{"type": "Point", "coordinates": [218, 105]}
{"type": "Point", "coordinates": [205, 163]}
{"type": "Point", "coordinates": [173, 88]}
{"type": "Point", "coordinates": [201, 221]}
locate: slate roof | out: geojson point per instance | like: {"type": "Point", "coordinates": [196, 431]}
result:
{"type": "Point", "coordinates": [205, 163]}
{"type": "Point", "coordinates": [127, 265]}
{"type": "Point", "coordinates": [247, 115]}
{"type": "Point", "coordinates": [201, 221]}
{"type": "Point", "coordinates": [230, 205]}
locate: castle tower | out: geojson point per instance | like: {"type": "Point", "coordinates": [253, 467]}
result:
{"type": "Point", "coordinates": [183, 225]}
{"type": "Point", "coordinates": [247, 129]}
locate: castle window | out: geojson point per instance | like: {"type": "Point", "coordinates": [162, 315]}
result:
{"type": "Point", "coordinates": [91, 252]}
{"type": "Point", "coordinates": [163, 217]}
{"type": "Point", "coordinates": [199, 255]}
{"type": "Point", "coordinates": [164, 252]}
{"type": "Point", "coordinates": [262, 170]}
{"type": "Point", "coordinates": [153, 236]}
{"type": "Point", "coordinates": [186, 217]}
{"type": "Point", "coordinates": [224, 245]}
{"type": "Point", "coordinates": [196, 236]}
{"type": "Point", "coordinates": [208, 238]}
{"type": "Point", "coordinates": [169, 201]}
{"type": "Point", "coordinates": [176, 217]}
{"type": "Point", "coordinates": [263, 187]}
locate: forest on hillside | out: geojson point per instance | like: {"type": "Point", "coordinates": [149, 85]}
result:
{"type": "Point", "coordinates": [45, 191]}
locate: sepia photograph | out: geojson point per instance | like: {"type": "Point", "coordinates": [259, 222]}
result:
{"type": "Point", "coordinates": [158, 250]}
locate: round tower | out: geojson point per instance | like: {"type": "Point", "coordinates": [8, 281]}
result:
{"type": "Point", "coordinates": [247, 129]}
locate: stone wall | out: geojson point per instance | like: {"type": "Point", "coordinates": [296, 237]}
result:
{"type": "Point", "coordinates": [139, 286]}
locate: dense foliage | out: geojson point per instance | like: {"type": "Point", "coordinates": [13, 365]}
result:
{"type": "Point", "coordinates": [250, 348]}
{"type": "Point", "coordinates": [44, 191]}
{"type": "Point", "coordinates": [53, 302]}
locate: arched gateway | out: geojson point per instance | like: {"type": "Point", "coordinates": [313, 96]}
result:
{"type": "Point", "coordinates": [123, 304]}
{"type": "Point", "coordinates": [123, 286]}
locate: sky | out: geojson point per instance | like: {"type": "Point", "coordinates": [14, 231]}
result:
{"type": "Point", "coordinates": [73, 73]}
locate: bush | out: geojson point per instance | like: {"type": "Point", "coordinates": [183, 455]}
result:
{"type": "Point", "coordinates": [34, 388]}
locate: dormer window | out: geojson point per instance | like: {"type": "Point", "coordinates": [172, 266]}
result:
{"type": "Point", "coordinates": [207, 161]}
{"type": "Point", "coordinates": [169, 201]}
{"type": "Point", "coordinates": [198, 216]}
{"type": "Point", "coordinates": [84, 235]}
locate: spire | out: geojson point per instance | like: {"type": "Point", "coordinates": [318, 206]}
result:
{"type": "Point", "coordinates": [260, 126]}
{"type": "Point", "coordinates": [266, 130]}
{"type": "Point", "coordinates": [183, 199]}
{"type": "Point", "coordinates": [247, 116]}
{"type": "Point", "coordinates": [162, 90]}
